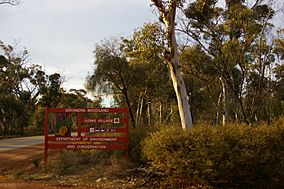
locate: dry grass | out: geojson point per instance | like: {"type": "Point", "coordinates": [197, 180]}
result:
{"type": "Point", "coordinates": [102, 172]}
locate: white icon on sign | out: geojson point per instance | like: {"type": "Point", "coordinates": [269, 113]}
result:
{"type": "Point", "coordinates": [116, 120]}
{"type": "Point", "coordinates": [92, 130]}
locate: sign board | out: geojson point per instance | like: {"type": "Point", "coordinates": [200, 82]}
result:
{"type": "Point", "coordinates": [97, 129]}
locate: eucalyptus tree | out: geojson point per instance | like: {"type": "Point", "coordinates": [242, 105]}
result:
{"type": "Point", "coordinates": [77, 98]}
{"type": "Point", "coordinates": [167, 11]}
{"type": "Point", "coordinates": [227, 33]}
{"type": "Point", "coordinates": [112, 73]}
{"type": "Point", "coordinates": [52, 91]}
{"type": "Point", "coordinates": [15, 99]}
{"type": "Point", "coordinates": [145, 51]}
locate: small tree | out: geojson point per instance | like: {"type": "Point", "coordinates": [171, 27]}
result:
{"type": "Point", "coordinates": [112, 73]}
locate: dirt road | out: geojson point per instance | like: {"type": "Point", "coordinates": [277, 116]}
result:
{"type": "Point", "coordinates": [19, 153]}
{"type": "Point", "coordinates": [15, 152]}
{"type": "Point", "coordinates": [14, 143]}
{"type": "Point", "coordinates": [19, 157]}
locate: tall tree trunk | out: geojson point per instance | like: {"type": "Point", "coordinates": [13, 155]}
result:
{"type": "Point", "coordinates": [243, 111]}
{"type": "Point", "coordinates": [138, 108]}
{"type": "Point", "coordinates": [140, 111]}
{"type": "Point", "coordinates": [129, 107]}
{"type": "Point", "coordinates": [181, 94]}
{"type": "Point", "coordinates": [169, 116]}
{"type": "Point", "coordinates": [167, 14]}
{"type": "Point", "coordinates": [149, 113]}
{"type": "Point", "coordinates": [218, 105]}
{"type": "Point", "coordinates": [225, 101]}
{"type": "Point", "coordinates": [160, 112]}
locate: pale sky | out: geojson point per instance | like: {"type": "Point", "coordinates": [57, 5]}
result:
{"type": "Point", "coordinates": [61, 34]}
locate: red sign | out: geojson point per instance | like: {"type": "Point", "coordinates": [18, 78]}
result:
{"type": "Point", "coordinates": [115, 131]}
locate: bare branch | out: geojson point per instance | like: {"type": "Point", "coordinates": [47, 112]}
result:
{"type": "Point", "coordinates": [10, 2]}
{"type": "Point", "coordinates": [173, 7]}
{"type": "Point", "coordinates": [160, 6]}
{"type": "Point", "coordinates": [257, 2]}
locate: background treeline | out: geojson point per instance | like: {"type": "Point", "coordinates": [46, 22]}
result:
{"type": "Point", "coordinates": [232, 64]}
{"type": "Point", "coordinates": [25, 90]}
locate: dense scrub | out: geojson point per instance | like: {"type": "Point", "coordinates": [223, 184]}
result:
{"type": "Point", "coordinates": [136, 136]}
{"type": "Point", "coordinates": [237, 156]}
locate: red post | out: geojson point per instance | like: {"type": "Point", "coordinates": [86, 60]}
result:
{"type": "Point", "coordinates": [79, 117]}
{"type": "Point", "coordinates": [46, 135]}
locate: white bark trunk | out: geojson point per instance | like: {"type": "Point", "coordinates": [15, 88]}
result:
{"type": "Point", "coordinates": [167, 13]}
{"type": "Point", "coordinates": [225, 103]}
{"type": "Point", "coordinates": [169, 116]}
{"type": "Point", "coordinates": [174, 66]}
{"type": "Point", "coordinates": [181, 94]}
{"type": "Point", "coordinates": [137, 110]}
{"type": "Point", "coordinates": [140, 111]}
{"type": "Point", "coordinates": [218, 105]}
{"type": "Point", "coordinates": [160, 113]}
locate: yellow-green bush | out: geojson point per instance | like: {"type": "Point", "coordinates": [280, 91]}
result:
{"type": "Point", "coordinates": [136, 136]}
{"type": "Point", "coordinates": [236, 155]}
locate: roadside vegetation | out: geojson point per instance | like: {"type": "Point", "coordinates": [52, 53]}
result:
{"type": "Point", "coordinates": [208, 156]}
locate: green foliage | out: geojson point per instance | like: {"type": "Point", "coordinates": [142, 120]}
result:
{"type": "Point", "coordinates": [77, 98]}
{"type": "Point", "coordinates": [236, 155]}
{"type": "Point", "coordinates": [128, 69]}
{"type": "Point", "coordinates": [279, 44]}
{"type": "Point", "coordinates": [147, 45]}
{"type": "Point", "coordinates": [112, 71]}
{"type": "Point", "coordinates": [234, 46]}
{"type": "Point", "coordinates": [202, 81]}
{"type": "Point", "coordinates": [113, 74]}
{"type": "Point", "coordinates": [12, 115]}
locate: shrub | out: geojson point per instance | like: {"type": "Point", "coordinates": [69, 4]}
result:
{"type": "Point", "coordinates": [236, 155]}
{"type": "Point", "coordinates": [136, 136]}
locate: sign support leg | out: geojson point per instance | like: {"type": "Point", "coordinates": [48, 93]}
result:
{"type": "Point", "coordinates": [46, 135]}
